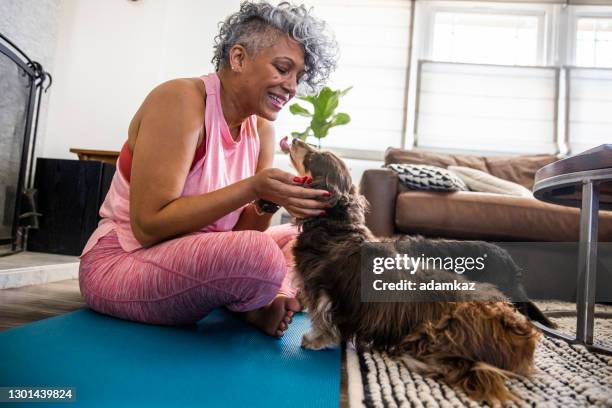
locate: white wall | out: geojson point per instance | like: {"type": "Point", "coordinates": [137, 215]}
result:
{"type": "Point", "coordinates": [110, 54]}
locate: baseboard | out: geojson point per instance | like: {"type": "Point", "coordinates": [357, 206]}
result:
{"type": "Point", "coordinates": [35, 275]}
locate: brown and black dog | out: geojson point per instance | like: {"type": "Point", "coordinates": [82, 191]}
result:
{"type": "Point", "coordinates": [474, 342]}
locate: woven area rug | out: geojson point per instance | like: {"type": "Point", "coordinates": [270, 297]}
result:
{"type": "Point", "coordinates": [567, 375]}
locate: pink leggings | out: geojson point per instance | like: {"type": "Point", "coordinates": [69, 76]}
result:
{"type": "Point", "coordinates": [182, 280]}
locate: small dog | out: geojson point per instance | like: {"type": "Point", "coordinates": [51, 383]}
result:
{"type": "Point", "coordinates": [474, 342]}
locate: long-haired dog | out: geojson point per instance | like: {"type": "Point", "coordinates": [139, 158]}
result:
{"type": "Point", "coordinates": [474, 342]}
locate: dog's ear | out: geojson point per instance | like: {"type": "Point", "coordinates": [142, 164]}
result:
{"type": "Point", "coordinates": [349, 205]}
{"type": "Point", "coordinates": [328, 169]}
{"type": "Point", "coordinates": [356, 205]}
{"type": "Point", "coordinates": [322, 183]}
{"type": "Point", "coordinates": [360, 203]}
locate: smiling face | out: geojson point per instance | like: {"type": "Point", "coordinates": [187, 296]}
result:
{"type": "Point", "coordinates": [271, 76]}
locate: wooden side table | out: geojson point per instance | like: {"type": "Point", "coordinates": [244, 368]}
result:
{"type": "Point", "coordinates": [106, 156]}
{"type": "Point", "coordinates": [583, 181]}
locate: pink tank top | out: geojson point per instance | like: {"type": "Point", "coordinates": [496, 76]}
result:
{"type": "Point", "coordinates": [225, 162]}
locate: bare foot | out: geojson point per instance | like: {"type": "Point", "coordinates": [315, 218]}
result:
{"type": "Point", "coordinates": [274, 318]}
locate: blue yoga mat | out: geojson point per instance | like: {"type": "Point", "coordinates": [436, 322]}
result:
{"type": "Point", "coordinates": [221, 362]}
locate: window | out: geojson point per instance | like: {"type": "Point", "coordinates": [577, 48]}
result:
{"type": "Point", "coordinates": [590, 104]}
{"type": "Point", "coordinates": [594, 42]}
{"type": "Point", "coordinates": [589, 82]}
{"type": "Point", "coordinates": [485, 32]}
{"type": "Point", "coordinates": [481, 85]}
{"type": "Point", "coordinates": [487, 108]}
{"type": "Point", "coordinates": [475, 88]}
{"type": "Point", "coordinates": [486, 38]}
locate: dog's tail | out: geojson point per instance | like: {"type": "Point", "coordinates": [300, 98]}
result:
{"type": "Point", "coordinates": [476, 347]}
{"type": "Point", "coordinates": [484, 382]}
{"type": "Point", "coordinates": [534, 313]}
{"type": "Point", "coordinates": [479, 380]}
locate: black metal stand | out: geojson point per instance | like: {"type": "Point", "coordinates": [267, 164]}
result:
{"type": "Point", "coordinates": [37, 78]}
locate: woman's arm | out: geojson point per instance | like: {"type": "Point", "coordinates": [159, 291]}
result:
{"type": "Point", "coordinates": [172, 118]}
{"type": "Point", "coordinates": [249, 219]}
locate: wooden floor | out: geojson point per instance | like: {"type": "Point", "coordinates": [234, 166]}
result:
{"type": "Point", "coordinates": [27, 304]}
{"type": "Point", "coordinates": [19, 306]}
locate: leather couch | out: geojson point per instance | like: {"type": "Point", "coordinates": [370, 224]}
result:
{"type": "Point", "coordinates": [394, 209]}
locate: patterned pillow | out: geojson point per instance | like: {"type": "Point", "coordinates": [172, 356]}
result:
{"type": "Point", "coordinates": [423, 177]}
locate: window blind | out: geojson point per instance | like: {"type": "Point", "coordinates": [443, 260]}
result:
{"type": "Point", "coordinates": [589, 122]}
{"type": "Point", "coordinates": [373, 37]}
{"type": "Point", "coordinates": [487, 108]}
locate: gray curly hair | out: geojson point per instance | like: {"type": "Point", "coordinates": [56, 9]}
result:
{"type": "Point", "coordinates": [258, 25]}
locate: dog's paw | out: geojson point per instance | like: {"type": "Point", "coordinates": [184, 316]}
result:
{"type": "Point", "coordinates": [317, 343]}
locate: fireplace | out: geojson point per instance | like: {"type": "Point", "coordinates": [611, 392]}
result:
{"type": "Point", "coordinates": [21, 85]}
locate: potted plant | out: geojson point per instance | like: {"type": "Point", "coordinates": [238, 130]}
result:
{"type": "Point", "coordinates": [323, 116]}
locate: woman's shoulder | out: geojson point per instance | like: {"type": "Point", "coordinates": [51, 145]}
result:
{"type": "Point", "coordinates": [180, 99]}
{"type": "Point", "coordinates": [186, 96]}
{"type": "Point", "coordinates": [180, 90]}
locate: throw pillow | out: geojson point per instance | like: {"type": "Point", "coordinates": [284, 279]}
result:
{"type": "Point", "coordinates": [478, 180]}
{"type": "Point", "coordinates": [424, 177]}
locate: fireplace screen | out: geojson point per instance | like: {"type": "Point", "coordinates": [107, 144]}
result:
{"type": "Point", "coordinates": [21, 82]}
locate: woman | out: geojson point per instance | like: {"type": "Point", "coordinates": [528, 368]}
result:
{"type": "Point", "coordinates": [184, 226]}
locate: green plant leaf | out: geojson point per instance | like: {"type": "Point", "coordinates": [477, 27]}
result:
{"type": "Point", "coordinates": [340, 119]}
{"type": "Point", "coordinates": [303, 135]}
{"type": "Point", "coordinates": [322, 116]}
{"type": "Point", "coordinates": [318, 125]}
{"type": "Point", "coordinates": [310, 99]}
{"type": "Point", "coordinates": [322, 130]}
{"type": "Point", "coordinates": [296, 109]}
{"type": "Point", "coordinates": [344, 92]}
{"type": "Point", "coordinates": [327, 101]}
{"type": "Point", "coordinates": [319, 102]}
{"type": "Point", "coordinates": [325, 93]}
{"type": "Point", "coordinates": [331, 105]}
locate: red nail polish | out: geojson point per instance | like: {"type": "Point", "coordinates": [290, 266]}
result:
{"type": "Point", "coordinates": [327, 194]}
{"type": "Point", "coordinates": [309, 180]}
{"type": "Point", "coordinates": [322, 214]}
{"type": "Point", "coordinates": [304, 179]}
{"type": "Point", "coordinates": [297, 179]}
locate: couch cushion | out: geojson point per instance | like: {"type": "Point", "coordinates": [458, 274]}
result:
{"type": "Point", "coordinates": [424, 177]}
{"type": "Point", "coordinates": [471, 215]}
{"type": "Point", "coordinates": [484, 182]}
{"type": "Point", "coordinates": [518, 169]}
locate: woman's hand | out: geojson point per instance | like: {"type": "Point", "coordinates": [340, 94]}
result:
{"type": "Point", "coordinates": [286, 190]}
